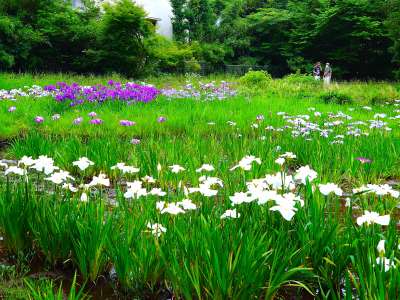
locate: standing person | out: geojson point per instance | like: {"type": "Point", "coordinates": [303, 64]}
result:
{"type": "Point", "coordinates": [317, 71]}
{"type": "Point", "coordinates": [327, 74]}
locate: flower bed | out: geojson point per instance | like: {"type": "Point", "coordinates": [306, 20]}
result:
{"type": "Point", "coordinates": [77, 94]}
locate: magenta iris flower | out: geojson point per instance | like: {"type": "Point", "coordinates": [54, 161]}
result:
{"type": "Point", "coordinates": [92, 114]}
{"type": "Point", "coordinates": [39, 119]}
{"type": "Point", "coordinates": [126, 123]}
{"type": "Point", "coordinates": [161, 119]}
{"type": "Point", "coordinates": [96, 121]}
{"type": "Point", "coordinates": [12, 109]}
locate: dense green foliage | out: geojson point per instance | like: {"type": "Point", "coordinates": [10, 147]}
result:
{"type": "Point", "coordinates": [44, 35]}
{"type": "Point", "coordinates": [360, 38]}
{"type": "Point", "coordinates": [167, 56]}
{"type": "Point", "coordinates": [49, 35]}
{"type": "Point", "coordinates": [120, 45]}
{"type": "Point", "coordinates": [178, 21]}
{"type": "Point", "coordinates": [393, 24]}
{"type": "Point", "coordinates": [357, 37]}
{"type": "Point", "coordinates": [256, 78]}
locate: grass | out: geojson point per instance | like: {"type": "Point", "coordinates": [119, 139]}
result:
{"type": "Point", "coordinates": [321, 252]}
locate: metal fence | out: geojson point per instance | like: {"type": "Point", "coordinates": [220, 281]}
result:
{"type": "Point", "coordinates": [239, 70]}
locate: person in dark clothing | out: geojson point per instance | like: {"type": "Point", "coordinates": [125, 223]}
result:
{"type": "Point", "coordinates": [317, 71]}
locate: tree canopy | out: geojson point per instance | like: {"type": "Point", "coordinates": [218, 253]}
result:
{"type": "Point", "coordinates": [360, 38]}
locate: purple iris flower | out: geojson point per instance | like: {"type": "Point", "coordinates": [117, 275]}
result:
{"type": "Point", "coordinates": [126, 123]}
{"type": "Point", "coordinates": [78, 121]}
{"type": "Point", "coordinates": [161, 119]}
{"type": "Point", "coordinates": [12, 109]}
{"type": "Point", "coordinates": [50, 88]}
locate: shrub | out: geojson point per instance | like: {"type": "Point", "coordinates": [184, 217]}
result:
{"type": "Point", "coordinates": [379, 99]}
{"type": "Point", "coordinates": [336, 97]}
{"type": "Point", "coordinates": [256, 78]}
{"type": "Point", "coordinates": [382, 95]}
{"type": "Point", "coordinates": [213, 54]}
{"type": "Point", "coordinates": [167, 56]}
{"type": "Point", "coordinates": [192, 66]}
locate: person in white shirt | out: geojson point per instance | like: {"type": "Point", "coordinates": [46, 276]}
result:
{"type": "Point", "coordinates": [327, 74]}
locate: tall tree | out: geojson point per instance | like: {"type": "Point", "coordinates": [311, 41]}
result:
{"type": "Point", "coordinates": [179, 20]}
{"type": "Point", "coordinates": [232, 32]}
{"type": "Point", "coordinates": [43, 34]}
{"type": "Point", "coordinates": [269, 31]}
{"type": "Point", "coordinates": [200, 20]}
{"type": "Point", "coordinates": [393, 25]}
{"type": "Point", "coordinates": [352, 35]}
{"type": "Point", "coordinates": [121, 42]}
{"type": "Point", "coordinates": [292, 34]}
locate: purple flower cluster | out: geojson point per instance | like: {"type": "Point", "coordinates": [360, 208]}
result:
{"type": "Point", "coordinates": [77, 94]}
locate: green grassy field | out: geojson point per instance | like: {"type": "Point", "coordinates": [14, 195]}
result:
{"type": "Point", "coordinates": [320, 252]}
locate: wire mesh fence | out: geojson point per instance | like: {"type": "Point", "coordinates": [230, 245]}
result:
{"type": "Point", "coordinates": [207, 68]}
